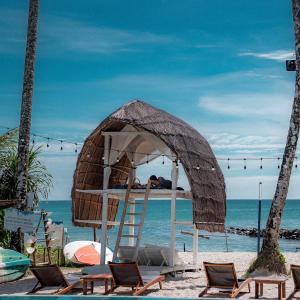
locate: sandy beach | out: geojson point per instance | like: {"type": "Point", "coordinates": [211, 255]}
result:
{"type": "Point", "coordinates": [186, 285]}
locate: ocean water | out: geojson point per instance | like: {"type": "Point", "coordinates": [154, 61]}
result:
{"type": "Point", "coordinates": [240, 213]}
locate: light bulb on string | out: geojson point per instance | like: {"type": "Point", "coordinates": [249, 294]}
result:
{"type": "Point", "coordinates": [75, 147]}
{"type": "Point", "coordinates": [296, 165]}
{"type": "Point", "coordinates": [147, 159]}
{"type": "Point", "coordinates": [228, 166]}
{"type": "Point", "coordinates": [261, 166]}
{"type": "Point", "coordinates": [33, 139]}
{"type": "Point", "coordinates": [278, 167]}
{"type": "Point", "coordinates": [47, 143]}
{"type": "Point", "coordinates": [88, 155]}
{"type": "Point", "coordinates": [198, 167]}
{"type": "Point", "coordinates": [61, 145]}
{"type": "Point", "coordinates": [245, 167]}
{"type": "Point", "coordinates": [132, 160]}
{"type": "Point", "coordinates": [118, 157]}
{"type": "Point", "coordinates": [163, 159]}
{"type": "Point", "coordinates": [213, 168]}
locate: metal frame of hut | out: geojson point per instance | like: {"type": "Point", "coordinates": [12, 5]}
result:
{"type": "Point", "coordinates": [132, 136]}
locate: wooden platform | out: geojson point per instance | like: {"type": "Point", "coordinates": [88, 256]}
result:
{"type": "Point", "coordinates": [104, 269]}
{"type": "Point", "coordinates": [140, 193]}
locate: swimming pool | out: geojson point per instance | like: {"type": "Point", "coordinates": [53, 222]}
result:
{"type": "Point", "coordinates": [81, 297]}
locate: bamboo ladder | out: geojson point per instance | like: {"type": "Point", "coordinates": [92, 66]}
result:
{"type": "Point", "coordinates": [132, 251]}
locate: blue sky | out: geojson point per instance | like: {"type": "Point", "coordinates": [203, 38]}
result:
{"type": "Point", "coordinates": [219, 65]}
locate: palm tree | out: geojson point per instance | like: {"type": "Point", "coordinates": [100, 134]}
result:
{"type": "Point", "coordinates": [26, 108]}
{"type": "Point", "coordinates": [270, 258]}
{"type": "Point", "coordinates": [39, 181]}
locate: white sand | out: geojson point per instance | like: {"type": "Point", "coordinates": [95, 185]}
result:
{"type": "Point", "coordinates": [187, 285]}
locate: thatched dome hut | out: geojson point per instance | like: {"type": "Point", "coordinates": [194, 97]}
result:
{"type": "Point", "coordinates": [169, 136]}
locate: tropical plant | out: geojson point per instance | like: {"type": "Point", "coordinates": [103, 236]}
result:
{"type": "Point", "coordinates": [39, 181]}
{"type": "Point", "coordinates": [270, 259]}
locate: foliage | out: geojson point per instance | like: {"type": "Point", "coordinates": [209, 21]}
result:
{"type": "Point", "coordinates": [39, 181]}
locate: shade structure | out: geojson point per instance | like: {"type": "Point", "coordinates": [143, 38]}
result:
{"type": "Point", "coordinates": [168, 135]}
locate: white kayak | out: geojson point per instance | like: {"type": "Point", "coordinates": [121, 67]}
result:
{"type": "Point", "coordinates": [86, 252]}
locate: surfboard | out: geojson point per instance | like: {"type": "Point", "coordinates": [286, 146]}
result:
{"type": "Point", "coordinates": [86, 252]}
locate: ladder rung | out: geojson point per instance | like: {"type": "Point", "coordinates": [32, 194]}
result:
{"type": "Point", "coordinates": [133, 214]}
{"type": "Point", "coordinates": [129, 235]}
{"type": "Point", "coordinates": [136, 202]}
{"type": "Point", "coordinates": [130, 224]}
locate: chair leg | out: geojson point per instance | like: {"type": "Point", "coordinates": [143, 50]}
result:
{"type": "Point", "coordinates": [237, 291]}
{"type": "Point", "coordinates": [35, 288]}
{"type": "Point", "coordinates": [291, 296]}
{"type": "Point", "coordinates": [68, 288]}
{"type": "Point", "coordinates": [203, 292]}
{"type": "Point", "coordinates": [160, 284]}
{"type": "Point", "coordinates": [146, 286]}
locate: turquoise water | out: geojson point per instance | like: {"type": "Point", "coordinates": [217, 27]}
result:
{"type": "Point", "coordinates": [240, 213]}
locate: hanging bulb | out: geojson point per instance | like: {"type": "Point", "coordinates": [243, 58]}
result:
{"type": "Point", "coordinates": [33, 141]}
{"type": "Point", "coordinates": [176, 162]}
{"type": "Point", "coordinates": [198, 167]}
{"type": "Point", "coordinates": [163, 161]}
{"type": "Point", "coordinates": [118, 157]}
{"type": "Point", "coordinates": [261, 166]}
{"type": "Point", "coordinates": [228, 166]}
{"type": "Point", "coordinates": [278, 167]}
{"type": "Point", "coordinates": [245, 167]}
{"type": "Point", "coordinates": [213, 168]}
{"type": "Point", "coordinates": [147, 159]}
{"type": "Point", "coordinates": [296, 166]}
{"type": "Point", "coordinates": [88, 155]}
{"type": "Point", "coordinates": [61, 145]}
{"type": "Point", "coordinates": [47, 142]}
{"type": "Point", "coordinates": [103, 157]}
{"type": "Point", "coordinates": [75, 147]}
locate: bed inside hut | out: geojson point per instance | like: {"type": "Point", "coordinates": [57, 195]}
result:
{"type": "Point", "coordinates": [134, 135]}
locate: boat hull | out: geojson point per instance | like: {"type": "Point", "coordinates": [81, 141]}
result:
{"type": "Point", "coordinates": [13, 265]}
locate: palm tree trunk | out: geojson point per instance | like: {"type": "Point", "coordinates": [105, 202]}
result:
{"type": "Point", "coordinates": [25, 121]}
{"type": "Point", "coordinates": [26, 108]}
{"type": "Point", "coordinates": [270, 258]}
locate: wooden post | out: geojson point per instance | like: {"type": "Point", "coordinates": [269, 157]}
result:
{"type": "Point", "coordinates": [106, 174]}
{"type": "Point", "coordinates": [195, 245]}
{"type": "Point", "coordinates": [94, 234]}
{"type": "Point", "coordinates": [259, 217]}
{"type": "Point", "coordinates": [174, 176]}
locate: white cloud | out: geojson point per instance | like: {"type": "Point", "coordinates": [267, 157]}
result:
{"type": "Point", "coordinates": [278, 55]}
{"type": "Point", "coordinates": [272, 106]}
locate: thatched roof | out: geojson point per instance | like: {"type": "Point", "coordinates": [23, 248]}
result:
{"type": "Point", "coordinates": [190, 147]}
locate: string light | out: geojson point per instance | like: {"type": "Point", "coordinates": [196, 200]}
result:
{"type": "Point", "coordinates": [261, 166]}
{"type": "Point", "coordinates": [75, 147]}
{"type": "Point", "coordinates": [61, 146]}
{"type": "Point", "coordinates": [48, 143]}
{"type": "Point", "coordinates": [118, 157]}
{"type": "Point", "coordinates": [296, 166]}
{"type": "Point", "coordinates": [278, 167]}
{"type": "Point", "coordinates": [33, 139]}
{"type": "Point", "coordinates": [147, 159]}
{"type": "Point", "coordinates": [228, 166]}
{"type": "Point", "coordinates": [163, 159]}
{"type": "Point", "coordinates": [245, 167]}
{"type": "Point", "coordinates": [176, 164]}
{"type": "Point", "coordinates": [213, 168]}
{"type": "Point", "coordinates": [198, 167]}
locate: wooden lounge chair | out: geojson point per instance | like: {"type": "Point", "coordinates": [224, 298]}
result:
{"type": "Point", "coordinates": [223, 276]}
{"type": "Point", "coordinates": [295, 270]}
{"type": "Point", "coordinates": [52, 276]}
{"type": "Point", "coordinates": [128, 275]}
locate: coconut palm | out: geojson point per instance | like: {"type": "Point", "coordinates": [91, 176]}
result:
{"type": "Point", "coordinates": [270, 259]}
{"type": "Point", "coordinates": [26, 108]}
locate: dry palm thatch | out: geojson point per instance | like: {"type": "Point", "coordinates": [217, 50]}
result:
{"type": "Point", "coordinates": [191, 148]}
